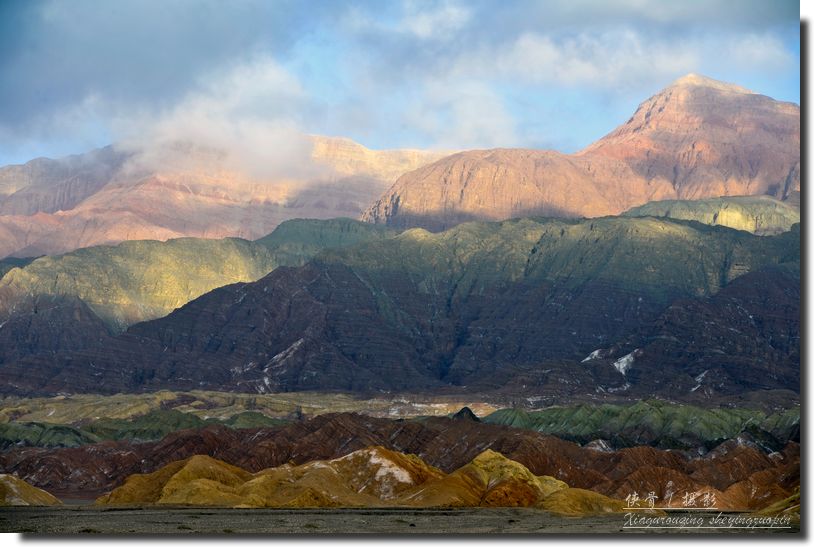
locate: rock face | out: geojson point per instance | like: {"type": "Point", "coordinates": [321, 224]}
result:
{"type": "Point", "coordinates": [16, 492]}
{"type": "Point", "coordinates": [687, 342]}
{"type": "Point", "coordinates": [465, 461]}
{"type": "Point", "coordinates": [708, 138]}
{"type": "Point", "coordinates": [761, 215]}
{"type": "Point", "coordinates": [44, 325]}
{"type": "Point", "coordinates": [514, 306]}
{"type": "Point", "coordinates": [698, 138]}
{"type": "Point", "coordinates": [47, 186]}
{"type": "Point", "coordinates": [350, 159]}
{"type": "Point", "coordinates": [105, 197]}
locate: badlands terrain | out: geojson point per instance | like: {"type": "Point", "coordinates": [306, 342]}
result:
{"type": "Point", "coordinates": [507, 337]}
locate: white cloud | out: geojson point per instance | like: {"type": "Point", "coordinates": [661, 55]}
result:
{"type": "Point", "coordinates": [619, 59]}
{"type": "Point", "coordinates": [462, 115]}
{"type": "Point", "coordinates": [243, 118]}
{"type": "Point", "coordinates": [600, 60]}
{"type": "Point", "coordinates": [406, 73]}
{"type": "Point", "coordinates": [763, 52]}
{"type": "Point", "coordinates": [437, 21]}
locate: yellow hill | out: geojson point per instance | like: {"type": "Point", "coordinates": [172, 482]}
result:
{"type": "Point", "coordinates": [199, 480]}
{"type": "Point", "coordinates": [490, 480]}
{"type": "Point", "coordinates": [372, 477]}
{"type": "Point", "coordinates": [15, 492]}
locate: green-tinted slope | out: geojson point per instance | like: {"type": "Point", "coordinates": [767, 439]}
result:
{"type": "Point", "coordinates": [9, 263]}
{"type": "Point", "coordinates": [151, 426]}
{"type": "Point", "coordinates": [249, 420]}
{"type": "Point", "coordinates": [43, 434]}
{"type": "Point", "coordinates": [295, 241]}
{"type": "Point", "coordinates": [147, 427]}
{"type": "Point", "coordinates": [659, 254]}
{"type": "Point", "coordinates": [650, 422]}
{"type": "Point", "coordinates": [139, 280]}
{"type": "Point", "coordinates": [762, 215]}
{"type": "Point", "coordinates": [157, 423]}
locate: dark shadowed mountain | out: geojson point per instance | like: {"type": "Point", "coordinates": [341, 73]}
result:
{"type": "Point", "coordinates": [547, 308]}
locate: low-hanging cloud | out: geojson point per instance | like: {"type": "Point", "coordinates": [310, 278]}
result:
{"type": "Point", "coordinates": [244, 119]}
{"type": "Point", "coordinates": [465, 115]}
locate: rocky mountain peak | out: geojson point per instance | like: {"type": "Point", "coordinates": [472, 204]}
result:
{"type": "Point", "coordinates": [699, 80]}
{"type": "Point", "coordinates": [697, 138]}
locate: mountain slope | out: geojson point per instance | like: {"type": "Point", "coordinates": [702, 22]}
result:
{"type": "Point", "coordinates": [516, 305]}
{"type": "Point", "coordinates": [138, 280]}
{"type": "Point", "coordinates": [709, 138]}
{"type": "Point", "coordinates": [652, 422]}
{"type": "Point", "coordinates": [16, 492]}
{"type": "Point", "coordinates": [711, 345]}
{"type": "Point", "coordinates": [697, 138]}
{"type": "Point", "coordinates": [47, 186]}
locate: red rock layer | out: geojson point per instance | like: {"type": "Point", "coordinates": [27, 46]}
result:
{"type": "Point", "coordinates": [741, 477]}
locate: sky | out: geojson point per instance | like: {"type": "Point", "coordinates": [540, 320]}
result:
{"type": "Point", "coordinates": [258, 75]}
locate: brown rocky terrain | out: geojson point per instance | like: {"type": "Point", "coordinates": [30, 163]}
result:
{"type": "Point", "coordinates": [698, 138]}
{"type": "Point", "coordinates": [738, 472]}
{"type": "Point", "coordinates": [106, 196]}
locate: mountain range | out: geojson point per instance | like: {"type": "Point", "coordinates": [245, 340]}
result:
{"type": "Point", "coordinates": [698, 138]}
{"type": "Point", "coordinates": [553, 308]}
{"type": "Point", "coordinates": [413, 329]}
{"type": "Point", "coordinates": [667, 299]}
{"type": "Point", "coordinates": [459, 461]}
{"type": "Point", "coordinates": [111, 195]}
